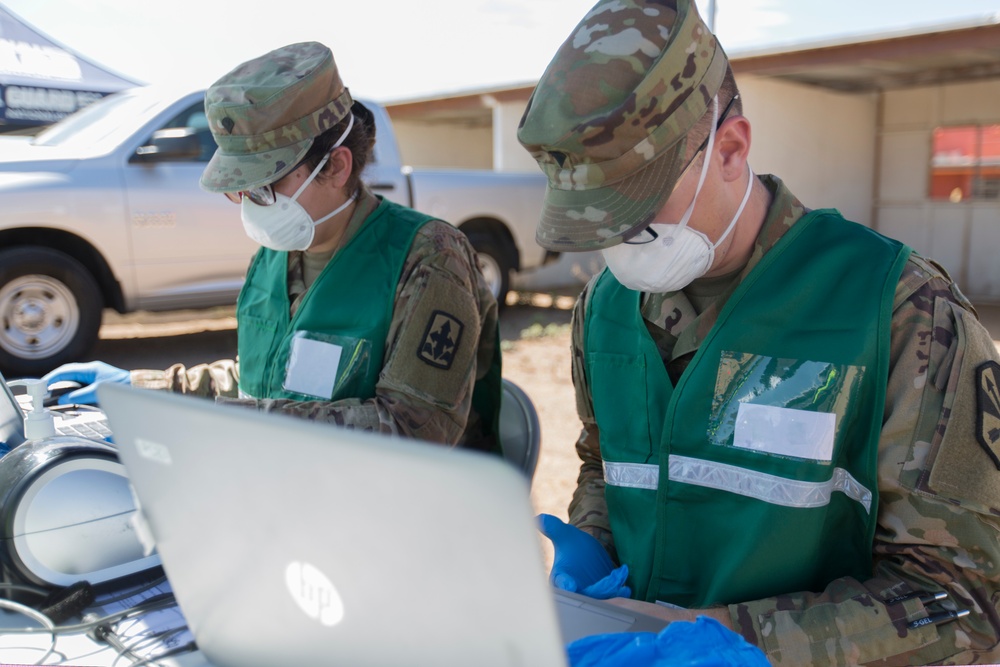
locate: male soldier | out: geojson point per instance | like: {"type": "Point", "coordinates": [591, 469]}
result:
{"type": "Point", "coordinates": [790, 422]}
{"type": "Point", "coordinates": [355, 310]}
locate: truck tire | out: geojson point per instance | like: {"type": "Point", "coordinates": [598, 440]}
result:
{"type": "Point", "coordinates": [50, 310]}
{"type": "Point", "coordinates": [495, 263]}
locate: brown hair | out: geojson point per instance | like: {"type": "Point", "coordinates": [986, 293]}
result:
{"type": "Point", "coordinates": [360, 141]}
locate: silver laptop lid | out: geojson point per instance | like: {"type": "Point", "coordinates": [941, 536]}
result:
{"type": "Point", "coordinates": [291, 542]}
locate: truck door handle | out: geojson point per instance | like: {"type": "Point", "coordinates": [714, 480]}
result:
{"type": "Point", "coordinates": [382, 186]}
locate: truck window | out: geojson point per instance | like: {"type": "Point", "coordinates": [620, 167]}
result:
{"type": "Point", "coordinates": [194, 117]}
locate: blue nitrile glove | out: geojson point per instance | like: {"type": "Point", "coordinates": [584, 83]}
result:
{"type": "Point", "coordinates": [90, 374]}
{"type": "Point", "coordinates": [581, 564]}
{"type": "Point", "coordinates": [704, 643]}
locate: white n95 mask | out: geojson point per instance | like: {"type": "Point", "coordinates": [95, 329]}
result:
{"type": "Point", "coordinates": [285, 225]}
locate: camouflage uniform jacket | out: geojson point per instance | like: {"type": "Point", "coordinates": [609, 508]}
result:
{"type": "Point", "coordinates": [939, 511]}
{"type": "Point", "coordinates": [411, 398]}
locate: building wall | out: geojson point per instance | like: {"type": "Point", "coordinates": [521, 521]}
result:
{"type": "Point", "coordinates": [962, 236]}
{"type": "Point", "coordinates": [820, 143]}
{"type": "Point", "coordinates": [457, 145]}
{"type": "Point", "coordinates": [508, 153]}
{"type": "Point", "coordinates": [424, 144]}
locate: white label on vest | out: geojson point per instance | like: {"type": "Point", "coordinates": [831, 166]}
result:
{"type": "Point", "coordinates": [312, 367]}
{"type": "Point", "coordinates": [785, 432]}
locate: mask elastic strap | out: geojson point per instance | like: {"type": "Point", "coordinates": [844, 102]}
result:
{"type": "Point", "coordinates": [336, 210]}
{"type": "Point", "coordinates": [739, 211]}
{"type": "Point", "coordinates": [336, 145]}
{"type": "Point", "coordinates": [704, 168]}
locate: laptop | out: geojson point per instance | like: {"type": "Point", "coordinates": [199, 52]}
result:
{"type": "Point", "coordinates": [291, 542]}
{"type": "Point", "coordinates": [79, 420]}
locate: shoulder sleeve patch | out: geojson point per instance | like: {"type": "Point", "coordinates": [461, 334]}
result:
{"type": "Point", "coordinates": [964, 468]}
{"type": "Point", "coordinates": [441, 339]}
{"type": "Point", "coordinates": [433, 355]}
{"type": "Point", "coordinates": [988, 409]}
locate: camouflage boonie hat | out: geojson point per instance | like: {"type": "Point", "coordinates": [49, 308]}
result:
{"type": "Point", "coordinates": [265, 114]}
{"type": "Point", "coordinates": [609, 118]}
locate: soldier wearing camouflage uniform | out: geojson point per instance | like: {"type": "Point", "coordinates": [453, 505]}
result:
{"type": "Point", "coordinates": [376, 318]}
{"type": "Point", "coordinates": [799, 436]}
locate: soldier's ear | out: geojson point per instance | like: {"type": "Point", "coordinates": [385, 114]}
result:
{"type": "Point", "coordinates": [733, 140]}
{"type": "Point", "coordinates": [338, 167]}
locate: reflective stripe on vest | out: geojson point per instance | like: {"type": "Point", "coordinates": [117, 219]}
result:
{"type": "Point", "coordinates": [750, 483]}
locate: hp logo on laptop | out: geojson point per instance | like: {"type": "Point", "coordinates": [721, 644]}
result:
{"type": "Point", "coordinates": [314, 593]}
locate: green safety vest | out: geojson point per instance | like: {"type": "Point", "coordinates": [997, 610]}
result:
{"type": "Point", "coordinates": [352, 298]}
{"type": "Point", "coordinates": [756, 474]}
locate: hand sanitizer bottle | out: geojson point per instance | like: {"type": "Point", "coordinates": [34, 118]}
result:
{"type": "Point", "coordinates": [39, 423]}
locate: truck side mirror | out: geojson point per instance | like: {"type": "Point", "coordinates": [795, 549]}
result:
{"type": "Point", "coordinates": [170, 145]}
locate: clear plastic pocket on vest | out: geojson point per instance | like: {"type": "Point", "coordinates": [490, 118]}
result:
{"type": "Point", "coordinates": [790, 408]}
{"type": "Point", "coordinates": [326, 366]}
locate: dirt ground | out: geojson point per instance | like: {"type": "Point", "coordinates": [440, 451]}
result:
{"type": "Point", "coordinates": [536, 357]}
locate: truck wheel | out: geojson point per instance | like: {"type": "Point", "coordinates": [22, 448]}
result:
{"type": "Point", "coordinates": [50, 310]}
{"type": "Point", "coordinates": [495, 263]}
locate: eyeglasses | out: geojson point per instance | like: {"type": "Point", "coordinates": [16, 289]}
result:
{"type": "Point", "coordinates": [262, 195]}
{"type": "Point", "coordinates": [647, 235]}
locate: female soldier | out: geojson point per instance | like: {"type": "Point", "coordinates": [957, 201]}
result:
{"type": "Point", "coordinates": [355, 311]}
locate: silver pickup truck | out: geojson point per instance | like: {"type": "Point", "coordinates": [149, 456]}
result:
{"type": "Point", "coordinates": [103, 210]}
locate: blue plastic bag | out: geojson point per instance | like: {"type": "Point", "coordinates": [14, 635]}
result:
{"type": "Point", "coordinates": [703, 643]}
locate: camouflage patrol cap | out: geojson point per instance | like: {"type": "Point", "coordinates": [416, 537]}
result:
{"type": "Point", "coordinates": [265, 114]}
{"type": "Point", "coordinates": [609, 118]}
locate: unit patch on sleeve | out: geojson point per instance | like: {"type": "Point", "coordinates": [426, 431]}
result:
{"type": "Point", "coordinates": [988, 409]}
{"type": "Point", "coordinates": [441, 340]}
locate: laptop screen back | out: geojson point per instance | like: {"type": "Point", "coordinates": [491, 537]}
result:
{"type": "Point", "coordinates": [292, 542]}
